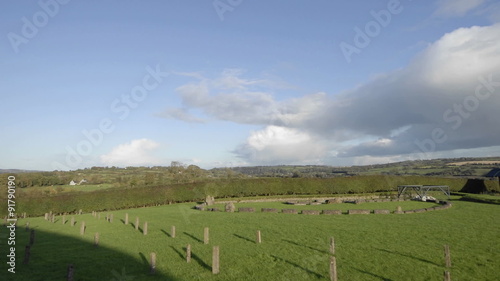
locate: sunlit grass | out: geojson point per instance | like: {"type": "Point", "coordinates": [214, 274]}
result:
{"type": "Point", "coordinates": [295, 247]}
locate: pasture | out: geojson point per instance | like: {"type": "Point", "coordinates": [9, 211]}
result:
{"type": "Point", "coordinates": [294, 246]}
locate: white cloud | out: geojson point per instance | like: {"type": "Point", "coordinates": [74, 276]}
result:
{"type": "Point", "coordinates": [456, 8]}
{"type": "Point", "coordinates": [436, 91]}
{"type": "Point", "coordinates": [278, 145]}
{"type": "Point", "coordinates": [135, 153]}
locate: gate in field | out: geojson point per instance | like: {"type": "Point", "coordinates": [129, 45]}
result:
{"type": "Point", "coordinates": [422, 190]}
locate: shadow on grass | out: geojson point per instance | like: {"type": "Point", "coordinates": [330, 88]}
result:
{"type": "Point", "coordinates": [181, 255]}
{"type": "Point", "coordinates": [372, 274]}
{"type": "Point", "coordinates": [52, 253]}
{"type": "Point", "coordinates": [144, 260]}
{"type": "Point", "coordinates": [166, 233]}
{"type": "Point", "coordinates": [308, 247]}
{"type": "Point", "coordinates": [299, 267]}
{"type": "Point", "coordinates": [408, 256]}
{"type": "Point", "coordinates": [245, 238]}
{"type": "Point", "coordinates": [194, 237]}
{"type": "Point", "coordinates": [200, 261]}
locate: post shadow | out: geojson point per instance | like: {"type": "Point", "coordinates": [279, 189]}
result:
{"type": "Point", "coordinates": [245, 238]}
{"type": "Point", "coordinates": [166, 233]}
{"type": "Point", "coordinates": [145, 261]}
{"type": "Point", "coordinates": [305, 246]}
{"type": "Point", "coordinates": [179, 253]}
{"type": "Point", "coordinates": [408, 256]}
{"type": "Point", "coordinates": [193, 237]}
{"type": "Point", "coordinates": [299, 267]}
{"type": "Point", "coordinates": [200, 261]}
{"type": "Point", "coordinates": [372, 274]}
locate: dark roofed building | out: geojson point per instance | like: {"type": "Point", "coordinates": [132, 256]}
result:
{"type": "Point", "coordinates": [494, 173]}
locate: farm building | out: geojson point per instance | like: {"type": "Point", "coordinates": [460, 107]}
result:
{"type": "Point", "coordinates": [493, 173]}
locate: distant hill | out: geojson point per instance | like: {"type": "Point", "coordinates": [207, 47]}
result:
{"type": "Point", "coordinates": [465, 167]}
{"type": "Point", "coordinates": [16, 171]}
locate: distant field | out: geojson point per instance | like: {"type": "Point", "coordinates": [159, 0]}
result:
{"type": "Point", "coordinates": [474, 162]}
{"type": "Point", "coordinates": [294, 247]}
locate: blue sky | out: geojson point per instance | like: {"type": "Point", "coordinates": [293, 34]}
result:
{"type": "Point", "coordinates": [232, 83]}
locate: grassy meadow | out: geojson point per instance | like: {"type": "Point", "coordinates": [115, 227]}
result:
{"type": "Point", "coordinates": [294, 247]}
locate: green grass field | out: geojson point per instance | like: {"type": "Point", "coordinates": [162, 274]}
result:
{"type": "Point", "coordinates": [294, 247]}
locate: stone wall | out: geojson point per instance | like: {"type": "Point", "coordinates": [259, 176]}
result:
{"type": "Point", "coordinates": [359, 212]}
{"type": "Point", "coordinates": [228, 208]}
{"type": "Point", "coordinates": [311, 212]}
{"type": "Point", "coordinates": [332, 212]}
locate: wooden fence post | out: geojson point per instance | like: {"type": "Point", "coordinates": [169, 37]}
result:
{"type": "Point", "coordinates": [126, 218]}
{"type": "Point", "coordinates": [447, 256]}
{"type": "Point", "coordinates": [27, 255]}
{"type": "Point", "coordinates": [32, 237]}
{"type": "Point", "coordinates": [63, 219]}
{"type": "Point", "coordinates": [259, 237]}
{"type": "Point", "coordinates": [215, 260]}
{"type": "Point", "coordinates": [333, 269]}
{"type": "Point", "coordinates": [27, 226]}
{"type": "Point", "coordinates": [172, 231]}
{"type": "Point", "coordinates": [71, 273]}
{"type": "Point", "coordinates": [136, 223]}
{"type": "Point", "coordinates": [206, 235]}
{"type": "Point", "coordinates": [82, 228]}
{"type": "Point", "coordinates": [188, 253]}
{"type": "Point", "coordinates": [111, 218]}
{"type": "Point", "coordinates": [72, 221]}
{"type": "Point", "coordinates": [145, 228]}
{"type": "Point", "coordinates": [96, 239]}
{"type": "Point", "coordinates": [152, 268]}
{"type": "Point", "coordinates": [447, 276]}
{"type": "Point", "coordinates": [332, 245]}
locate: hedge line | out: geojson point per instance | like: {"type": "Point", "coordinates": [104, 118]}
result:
{"type": "Point", "coordinates": [113, 199]}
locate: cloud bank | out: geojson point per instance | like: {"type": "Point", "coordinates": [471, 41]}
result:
{"type": "Point", "coordinates": [447, 98]}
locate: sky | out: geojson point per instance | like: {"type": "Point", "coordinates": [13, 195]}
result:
{"type": "Point", "coordinates": [229, 83]}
